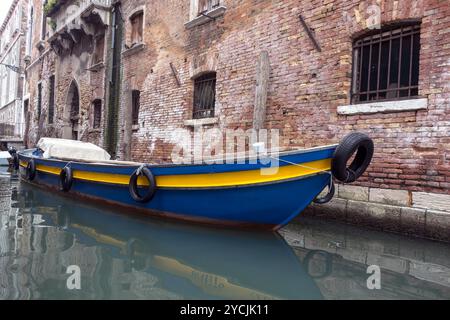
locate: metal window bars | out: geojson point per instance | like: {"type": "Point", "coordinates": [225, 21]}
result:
{"type": "Point", "coordinates": [204, 96]}
{"type": "Point", "coordinates": [386, 65]}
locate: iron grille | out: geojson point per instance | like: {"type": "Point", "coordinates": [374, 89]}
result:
{"type": "Point", "coordinates": [205, 96]}
{"type": "Point", "coordinates": [387, 65]}
{"type": "Point", "coordinates": [136, 97]}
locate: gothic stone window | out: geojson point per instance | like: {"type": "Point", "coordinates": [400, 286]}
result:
{"type": "Point", "coordinates": [386, 64]}
{"type": "Point", "coordinates": [204, 96]}
{"type": "Point", "coordinates": [137, 28]}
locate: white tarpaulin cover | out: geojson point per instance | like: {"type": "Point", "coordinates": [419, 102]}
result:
{"type": "Point", "coordinates": [4, 156]}
{"type": "Point", "coordinates": [70, 149]}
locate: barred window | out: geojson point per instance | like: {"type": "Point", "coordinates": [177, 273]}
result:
{"type": "Point", "coordinates": [136, 100]}
{"type": "Point", "coordinates": [97, 113]}
{"type": "Point", "coordinates": [386, 64]}
{"type": "Point", "coordinates": [205, 96]}
{"type": "Point", "coordinates": [51, 100]}
{"type": "Point", "coordinates": [207, 5]}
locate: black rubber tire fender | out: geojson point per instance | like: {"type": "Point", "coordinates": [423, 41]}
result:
{"type": "Point", "coordinates": [329, 196]}
{"type": "Point", "coordinates": [31, 170]}
{"type": "Point", "coordinates": [134, 188]}
{"type": "Point", "coordinates": [66, 179]}
{"type": "Point", "coordinates": [360, 144]}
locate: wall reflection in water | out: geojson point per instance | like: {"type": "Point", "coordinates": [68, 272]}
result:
{"type": "Point", "coordinates": [410, 268]}
{"type": "Point", "coordinates": [123, 257]}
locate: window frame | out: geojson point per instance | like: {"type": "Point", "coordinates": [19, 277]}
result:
{"type": "Point", "coordinates": [140, 38]}
{"type": "Point", "coordinates": [204, 110]}
{"type": "Point", "coordinates": [39, 101]}
{"type": "Point", "coordinates": [97, 107]}
{"type": "Point", "coordinates": [209, 6]}
{"type": "Point", "coordinates": [135, 107]}
{"type": "Point", "coordinates": [99, 58]}
{"type": "Point", "coordinates": [362, 70]}
{"type": "Point", "coordinates": [51, 99]}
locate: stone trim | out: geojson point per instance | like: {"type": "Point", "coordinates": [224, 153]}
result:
{"type": "Point", "coordinates": [431, 201]}
{"type": "Point", "coordinates": [214, 13]}
{"type": "Point", "coordinates": [384, 107]}
{"type": "Point", "coordinates": [135, 49]}
{"type": "Point", "coordinates": [97, 67]}
{"type": "Point", "coordinates": [418, 214]}
{"type": "Point", "coordinates": [201, 122]}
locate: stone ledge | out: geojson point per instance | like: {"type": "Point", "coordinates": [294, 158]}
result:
{"type": "Point", "coordinates": [201, 122]}
{"type": "Point", "coordinates": [353, 192]}
{"type": "Point", "coordinates": [432, 201]}
{"type": "Point", "coordinates": [135, 49]}
{"type": "Point", "coordinates": [421, 223]}
{"type": "Point", "coordinates": [390, 197]}
{"type": "Point", "coordinates": [384, 107]}
{"type": "Point", "coordinates": [214, 13]}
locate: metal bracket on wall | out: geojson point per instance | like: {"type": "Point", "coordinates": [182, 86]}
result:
{"type": "Point", "coordinates": [209, 17]}
{"type": "Point", "coordinates": [175, 74]}
{"type": "Point", "coordinates": [310, 34]}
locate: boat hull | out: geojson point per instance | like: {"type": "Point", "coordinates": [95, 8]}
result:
{"type": "Point", "coordinates": [269, 204]}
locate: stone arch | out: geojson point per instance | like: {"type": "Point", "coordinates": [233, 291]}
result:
{"type": "Point", "coordinates": [72, 113]}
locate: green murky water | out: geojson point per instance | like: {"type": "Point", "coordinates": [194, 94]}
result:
{"type": "Point", "coordinates": [42, 236]}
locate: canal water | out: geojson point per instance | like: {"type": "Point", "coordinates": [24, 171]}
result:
{"type": "Point", "coordinates": [43, 236]}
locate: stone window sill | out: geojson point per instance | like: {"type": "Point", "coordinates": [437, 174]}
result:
{"type": "Point", "coordinates": [135, 127]}
{"type": "Point", "coordinates": [384, 107]}
{"type": "Point", "coordinates": [134, 49]}
{"type": "Point", "coordinates": [97, 66]}
{"type": "Point", "coordinates": [201, 122]}
{"type": "Point", "coordinates": [214, 13]}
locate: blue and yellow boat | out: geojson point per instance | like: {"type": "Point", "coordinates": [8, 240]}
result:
{"type": "Point", "coordinates": [238, 194]}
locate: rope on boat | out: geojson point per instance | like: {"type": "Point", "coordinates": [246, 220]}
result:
{"type": "Point", "coordinates": [139, 170]}
{"type": "Point", "coordinates": [68, 165]}
{"type": "Point", "coordinates": [307, 167]}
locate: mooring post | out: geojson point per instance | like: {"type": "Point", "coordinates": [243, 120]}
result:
{"type": "Point", "coordinates": [127, 123]}
{"type": "Point", "coordinates": [262, 86]}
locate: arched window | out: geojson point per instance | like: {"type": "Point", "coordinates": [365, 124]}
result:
{"type": "Point", "coordinates": [204, 96]}
{"type": "Point", "coordinates": [386, 64]}
{"type": "Point", "coordinates": [97, 105]}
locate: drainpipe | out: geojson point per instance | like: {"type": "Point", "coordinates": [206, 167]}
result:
{"type": "Point", "coordinates": [112, 124]}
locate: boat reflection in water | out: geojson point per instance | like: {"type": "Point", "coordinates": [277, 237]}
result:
{"type": "Point", "coordinates": [127, 257]}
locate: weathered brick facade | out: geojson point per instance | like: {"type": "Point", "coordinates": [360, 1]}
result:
{"type": "Point", "coordinates": [306, 86]}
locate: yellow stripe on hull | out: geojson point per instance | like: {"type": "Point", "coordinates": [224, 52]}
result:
{"type": "Point", "coordinates": [211, 180]}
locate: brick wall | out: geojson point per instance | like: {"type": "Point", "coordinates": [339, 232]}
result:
{"type": "Point", "coordinates": [306, 86]}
